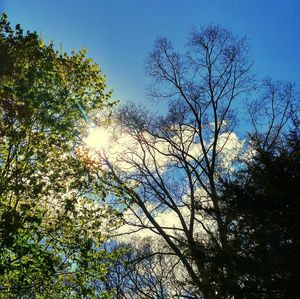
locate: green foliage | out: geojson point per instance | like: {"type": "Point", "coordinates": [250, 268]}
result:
{"type": "Point", "coordinates": [52, 228]}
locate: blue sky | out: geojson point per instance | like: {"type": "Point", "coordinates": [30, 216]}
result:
{"type": "Point", "coordinates": [120, 33]}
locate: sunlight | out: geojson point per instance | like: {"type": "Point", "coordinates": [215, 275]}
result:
{"type": "Point", "coordinates": [98, 139]}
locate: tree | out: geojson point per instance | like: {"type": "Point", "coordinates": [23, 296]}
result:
{"type": "Point", "coordinates": [52, 215]}
{"type": "Point", "coordinates": [263, 204]}
{"type": "Point", "coordinates": [147, 269]}
{"type": "Point", "coordinates": [174, 162]}
{"type": "Point", "coordinates": [274, 113]}
{"type": "Point", "coordinates": [169, 169]}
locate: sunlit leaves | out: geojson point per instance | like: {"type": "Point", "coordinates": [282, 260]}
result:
{"type": "Point", "coordinates": [53, 220]}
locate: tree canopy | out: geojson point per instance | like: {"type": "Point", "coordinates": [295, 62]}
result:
{"type": "Point", "coordinates": [53, 220]}
{"type": "Point", "coordinates": [263, 213]}
{"type": "Point", "coordinates": [186, 204]}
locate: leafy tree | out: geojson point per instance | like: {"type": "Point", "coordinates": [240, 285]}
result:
{"type": "Point", "coordinates": [263, 207]}
{"type": "Point", "coordinates": [53, 221]}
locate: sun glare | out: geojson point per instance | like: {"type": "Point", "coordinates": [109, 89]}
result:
{"type": "Point", "coordinates": [98, 139]}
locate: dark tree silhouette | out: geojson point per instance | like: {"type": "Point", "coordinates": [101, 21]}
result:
{"type": "Point", "coordinates": [264, 209]}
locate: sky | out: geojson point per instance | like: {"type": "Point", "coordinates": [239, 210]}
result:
{"type": "Point", "coordinates": [120, 33]}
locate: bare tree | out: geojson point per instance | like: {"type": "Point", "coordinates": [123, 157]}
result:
{"type": "Point", "coordinates": [145, 271]}
{"type": "Point", "coordinates": [273, 113]}
{"type": "Point", "coordinates": [170, 184]}
{"type": "Point", "coordinates": [169, 169]}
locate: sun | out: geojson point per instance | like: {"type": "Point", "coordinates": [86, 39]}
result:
{"type": "Point", "coordinates": [98, 139]}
